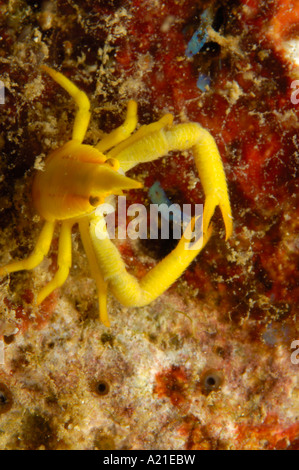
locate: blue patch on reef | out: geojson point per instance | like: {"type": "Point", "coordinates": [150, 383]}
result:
{"type": "Point", "coordinates": [158, 196]}
{"type": "Point", "coordinates": [198, 41]}
{"type": "Point", "coordinates": [200, 36]}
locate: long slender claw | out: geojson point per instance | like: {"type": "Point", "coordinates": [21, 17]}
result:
{"type": "Point", "coordinates": [212, 201]}
{"type": "Point", "coordinates": [227, 217]}
{"type": "Point", "coordinates": [211, 172]}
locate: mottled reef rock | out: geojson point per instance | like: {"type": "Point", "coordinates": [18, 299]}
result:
{"type": "Point", "coordinates": [212, 364]}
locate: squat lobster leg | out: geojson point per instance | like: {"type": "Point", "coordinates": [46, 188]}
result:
{"type": "Point", "coordinates": [122, 132]}
{"type": "Point", "coordinates": [64, 262]}
{"type": "Point", "coordinates": [41, 249]}
{"type": "Point", "coordinates": [125, 287]}
{"type": "Point", "coordinates": [96, 273]}
{"type": "Point", "coordinates": [83, 114]}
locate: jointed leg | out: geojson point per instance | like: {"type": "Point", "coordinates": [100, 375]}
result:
{"type": "Point", "coordinates": [95, 270]}
{"type": "Point", "coordinates": [125, 287]}
{"type": "Point", "coordinates": [212, 176]}
{"type": "Point", "coordinates": [143, 145]}
{"type": "Point", "coordinates": [83, 115]}
{"type": "Point", "coordinates": [40, 251]}
{"type": "Point", "coordinates": [122, 132]}
{"type": "Point", "coordinates": [64, 261]}
{"type": "Point", "coordinates": [153, 143]}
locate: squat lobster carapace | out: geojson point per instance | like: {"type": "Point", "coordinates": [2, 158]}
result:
{"type": "Point", "coordinates": [78, 177]}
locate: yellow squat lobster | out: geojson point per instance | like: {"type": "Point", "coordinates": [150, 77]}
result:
{"type": "Point", "coordinates": [78, 177]}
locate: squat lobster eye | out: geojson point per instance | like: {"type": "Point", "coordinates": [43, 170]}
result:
{"type": "Point", "coordinates": [79, 177]}
{"type": "Point", "coordinates": [113, 163]}
{"type": "Point", "coordinates": [94, 201]}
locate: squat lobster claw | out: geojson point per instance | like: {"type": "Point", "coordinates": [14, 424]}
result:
{"type": "Point", "coordinates": [77, 177]}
